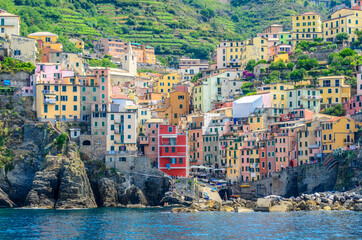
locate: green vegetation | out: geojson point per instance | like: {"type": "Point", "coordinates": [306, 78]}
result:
{"type": "Point", "coordinates": [196, 77]}
{"type": "Point", "coordinates": [105, 62]}
{"type": "Point", "coordinates": [173, 27]}
{"type": "Point", "coordinates": [334, 111]}
{"type": "Point", "coordinates": [61, 140]}
{"type": "Point", "coordinates": [10, 65]}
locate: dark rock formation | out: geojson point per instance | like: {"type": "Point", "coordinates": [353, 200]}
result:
{"type": "Point", "coordinates": [5, 201]}
{"type": "Point", "coordinates": [108, 196]}
{"type": "Point", "coordinates": [61, 183]}
{"type": "Point", "coordinates": [45, 184]}
{"type": "Point", "coordinates": [74, 189]}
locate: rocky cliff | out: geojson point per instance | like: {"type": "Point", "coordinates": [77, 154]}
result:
{"type": "Point", "coordinates": [61, 182]}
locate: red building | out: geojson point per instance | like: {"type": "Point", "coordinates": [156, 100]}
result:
{"type": "Point", "coordinates": [172, 151]}
{"type": "Point", "coordinates": [356, 4]}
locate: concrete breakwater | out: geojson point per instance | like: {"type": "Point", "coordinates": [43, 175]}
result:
{"type": "Point", "coordinates": [326, 201]}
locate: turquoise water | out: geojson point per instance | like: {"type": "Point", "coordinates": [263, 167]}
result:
{"type": "Point", "coordinates": [107, 223]}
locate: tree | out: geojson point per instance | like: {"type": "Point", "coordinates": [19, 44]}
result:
{"type": "Point", "coordinates": [334, 111]}
{"type": "Point", "coordinates": [290, 66]}
{"type": "Point", "coordinates": [250, 65]}
{"type": "Point", "coordinates": [347, 52]}
{"type": "Point", "coordinates": [340, 37]}
{"type": "Point", "coordinates": [307, 64]}
{"type": "Point", "coordinates": [274, 76]}
{"type": "Point", "coordinates": [207, 13]}
{"type": "Point", "coordinates": [297, 75]}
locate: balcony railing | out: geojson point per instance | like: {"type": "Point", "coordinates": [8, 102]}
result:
{"type": "Point", "coordinates": [348, 141]}
{"type": "Point", "coordinates": [49, 101]}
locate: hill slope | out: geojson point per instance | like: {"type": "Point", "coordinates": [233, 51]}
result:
{"type": "Point", "coordinates": [171, 26]}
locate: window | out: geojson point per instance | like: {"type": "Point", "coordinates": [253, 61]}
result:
{"type": "Point", "coordinates": [75, 88]}
{"type": "Point", "coordinates": [75, 108]}
{"type": "Point", "coordinates": [75, 98]}
{"type": "Point", "coordinates": [64, 88]}
{"type": "Point", "coordinates": [129, 136]}
{"type": "Point", "coordinates": [64, 108]}
{"type": "Point", "coordinates": [170, 129]}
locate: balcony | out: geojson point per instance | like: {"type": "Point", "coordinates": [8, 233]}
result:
{"type": "Point", "coordinates": [47, 92]}
{"type": "Point", "coordinates": [348, 141]}
{"type": "Point", "coordinates": [49, 101]}
{"type": "Point", "coordinates": [120, 122]}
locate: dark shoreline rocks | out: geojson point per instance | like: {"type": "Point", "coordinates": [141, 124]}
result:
{"type": "Point", "coordinates": [306, 202]}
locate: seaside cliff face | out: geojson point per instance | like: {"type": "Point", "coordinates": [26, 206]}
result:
{"type": "Point", "coordinates": [62, 182]}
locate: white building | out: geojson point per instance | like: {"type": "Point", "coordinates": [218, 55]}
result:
{"type": "Point", "coordinates": [9, 24]}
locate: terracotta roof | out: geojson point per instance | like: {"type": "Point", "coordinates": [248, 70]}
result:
{"type": "Point", "coordinates": [333, 119]}
{"type": "Point", "coordinates": [309, 13]}
{"type": "Point", "coordinates": [6, 14]}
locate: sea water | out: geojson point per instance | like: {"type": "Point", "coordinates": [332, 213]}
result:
{"type": "Point", "coordinates": [118, 223]}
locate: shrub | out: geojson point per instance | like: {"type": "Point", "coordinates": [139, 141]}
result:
{"type": "Point", "coordinates": [61, 140]}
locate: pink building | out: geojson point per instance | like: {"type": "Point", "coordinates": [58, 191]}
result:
{"type": "Point", "coordinates": [270, 158]}
{"type": "Point", "coordinates": [105, 85]}
{"type": "Point", "coordinates": [50, 73]}
{"type": "Point", "coordinates": [359, 84]}
{"type": "Point", "coordinates": [46, 73]}
{"type": "Point", "coordinates": [245, 164]}
{"type": "Point", "coordinates": [149, 142]}
{"type": "Point", "coordinates": [354, 105]}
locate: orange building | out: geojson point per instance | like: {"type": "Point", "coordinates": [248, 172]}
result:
{"type": "Point", "coordinates": [175, 107]}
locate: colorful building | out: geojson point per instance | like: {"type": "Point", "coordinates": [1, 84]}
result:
{"type": "Point", "coordinates": [172, 151]}
{"type": "Point", "coordinates": [306, 27]}
{"type": "Point", "coordinates": [338, 132]}
{"type": "Point", "coordinates": [308, 98]}
{"type": "Point", "coordinates": [196, 140]}
{"type": "Point", "coordinates": [334, 90]}
{"type": "Point", "coordinates": [59, 100]}
{"type": "Point", "coordinates": [343, 21]}
{"type": "Point", "coordinates": [78, 43]}
{"type": "Point", "coordinates": [176, 106]}
{"type": "Point", "coordinates": [47, 40]}
{"type": "Point", "coordinates": [9, 24]}
{"type": "Point", "coordinates": [166, 83]}
{"type": "Point", "coordinates": [354, 105]}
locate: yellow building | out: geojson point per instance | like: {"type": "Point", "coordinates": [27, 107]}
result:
{"type": "Point", "coordinates": [256, 122]}
{"type": "Point", "coordinates": [165, 84]}
{"type": "Point", "coordinates": [338, 132]}
{"type": "Point", "coordinates": [48, 40]}
{"type": "Point", "coordinates": [58, 101]}
{"type": "Point", "coordinates": [307, 27]}
{"type": "Point", "coordinates": [78, 43]}
{"type": "Point", "coordinates": [233, 162]}
{"type": "Point", "coordinates": [343, 21]}
{"type": "Point", "coordinates": [282, 56]}
{"type": "Point", "coordinates": [237, 54]}
{"type": "Point", "coordinates": [277, 93]}
{"type": "Point", "coordinates": [255, 48]}
{"type": "Point", "coordinates": [334, 90]}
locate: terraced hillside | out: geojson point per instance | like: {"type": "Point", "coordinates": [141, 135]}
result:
{"type": "Point", "coordinates": [175, 27]}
